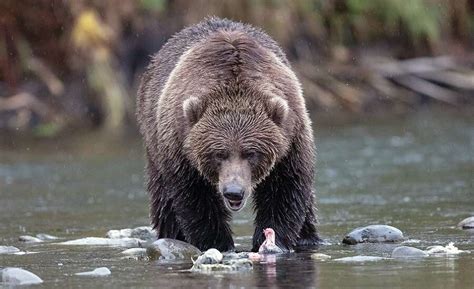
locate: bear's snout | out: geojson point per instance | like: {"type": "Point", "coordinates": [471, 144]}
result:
{"type": "Point", "coordinates": [235, 182]}
{"type": "Point", "coordinates": [233, 192]}
{"type": "Point", "coordinates": [234, 196]}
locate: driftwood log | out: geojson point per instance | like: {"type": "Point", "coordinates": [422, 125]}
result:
{"type": "Point", "coordinates": [445, 79]}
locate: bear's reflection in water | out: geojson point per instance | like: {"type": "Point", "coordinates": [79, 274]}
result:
{"type": "Point", "coordinates": [283, 272]}
{"type": "Point", "coordinates": [273, 271]}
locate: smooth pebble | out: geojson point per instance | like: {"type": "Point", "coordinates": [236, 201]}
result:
{"type": "Point", "coordinates": [46, 237]}
{"type": "Point", "coordinates": [135, 254]}
{"type": "Point", "coordinates": [408, 252]}
{"type": "Point", "coordinates": [211, 256]}
{"type": "Point", "coordinates": [9, 250]}
{"type": "Point", "coordinates": [143, 233]}
{"type": "Point", "coordinates": [467, 224]}
{"type": "Point", "coordinates": [373, 234]}
{"type": "Point", "coordinates": [320, 256]}
{"type": "Point", "coordinates": [29, 239]}
{"type": "Point", "coordinates": [18, 276]}
{"type": "Point", "coordinates": [170, 249]}
{"type": "Point", "coordinates": [95, 241]}
{"type": "Point", "coordinates": [98, 272]}
{"type": "Point", "coordinates": [360, 259]}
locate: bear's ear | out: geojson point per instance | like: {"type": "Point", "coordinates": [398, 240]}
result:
{"type": "Point", "coordinates": [277, 109]}
{"type": "Point", "coordinates": [192, 110]}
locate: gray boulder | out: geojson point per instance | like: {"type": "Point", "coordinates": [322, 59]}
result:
{"type": "Point", "coordinates": [17, 276]}
{"type": "Point", "coordinates": [373, 234]}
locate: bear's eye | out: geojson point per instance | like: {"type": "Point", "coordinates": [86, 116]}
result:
{"type": "Point", "coordinates": [221, 156]}
{"type": "Point", "coordinates": [251, 156]}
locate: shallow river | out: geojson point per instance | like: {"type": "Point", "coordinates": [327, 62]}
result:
{"type": "Point", "coordinates": [413, 172]}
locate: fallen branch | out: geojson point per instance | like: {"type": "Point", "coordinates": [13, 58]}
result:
{"type": "Point", "coordinates": [414, 66]}
{"type": "Point", "coordinates": [427, 88]}
{"type": "Point", "coordinates": [451, 79]}
{"type": "Point", "coordinates": [54, 84]}
{"type": "Point", "coordinates": [24, 100]}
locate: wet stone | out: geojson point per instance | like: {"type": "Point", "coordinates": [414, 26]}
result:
{"type": "Point", "coordinates": [9, 250]}
{"type": "Point", "coordinates": [467, 224]}
{"type": "Point", "coordinates": [98, 272]}
{"type": "Point", "coordinates": [118, 234]}
{"type": "Point", "coordinates": [29, 239]}
{"type": "Point", "coordinates": [143, 233]}
{"type": "Point", "coordinates": [373, 234]}
{"type": "Point", "coordinates": [18, 276]}
{"type": "Point", "coordinates": [359, 259]}
{"type": "Point", "coordinates": [135, 254]}
{"type": "Point", "coordinates": [233, 255]}
{"type": "Point", "coordinates": [46, 237]}
{"type": "Point", "coordinates": [134, 251]}
{"type": "Point", "coordinates": [170, 249]}
{"type": "Point", "coordinates": [211, 256]}
{"type": "Point", "coordinates": [234, 265]}
{"type": "Point", "coordinates": [320, 256]}
{"type": "Point", "coordinates": [95, 241]}
{"type": "Point", "coordinates": [213, 260]}
{"type": "Point", "coordinates": [239, 264]}
{"type": "Point", "coordinates": [408, 252]}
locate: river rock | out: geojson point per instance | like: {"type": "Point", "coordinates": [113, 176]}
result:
{"type": "Point", "coordinates": [46, 237]}
{"type": "Point", "coordinates": [408, 252]}
{"type": "Point", "coordinates": [234, 255]}
{"type": "Point", "coordinates": [230, 265]}
{"type": "Point", "coordinates": [211, 256]}
{"type": "Point", "coordinates": [134, 251]}
{"type": "Point", "coordinates": [320, 256]}
{"type": "Point", "coordinates": [98, 272]}
{"type": "Point", "coordinates": [373, 234]}
{"type": "Point", "coordinates": [170, 249]}
{"type": "Point", "coordinates": [118, 234]}
{"type": "Point", "coordinates": [213, 260]}
{"type": "Point", "coordinates": [29, 239]}
{"type": "Point", "coordinates": [17, 276]}
{"type": "Point", "coordinates": [239, 264]}
{"type": "Point", "coordinates": [143, 233]}
{"type": "Point", "coordinates": [9, 250]}
{"type": "Point", "coordinates": [95, 241]}
{"type": "Point", "coordinates": [359, 259]}
{"type": "Point", "coordinates": [467, 224]}
{"type": "Point", "coordinates": [135, 254]}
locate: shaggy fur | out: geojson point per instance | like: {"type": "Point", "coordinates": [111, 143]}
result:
{"type": "Point", "coordinates": [221, 97]}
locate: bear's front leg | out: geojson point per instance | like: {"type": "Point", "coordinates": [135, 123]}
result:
{"type": "Point", "coordinates": [161, 207]}
{"type": "Point", "coordinates": [284, 201]}
{"type": "Point", "coordinates": [285, 216]}
{"type": "Point", "coordinates": [308, 236]}
{"type": "Point", "coordinates": [202, 217]}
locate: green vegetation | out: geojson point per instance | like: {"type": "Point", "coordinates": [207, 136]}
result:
{"type": "Point", "coordinates": [417, 17]}
{"type": "Point", "coordinates": [77, 63]}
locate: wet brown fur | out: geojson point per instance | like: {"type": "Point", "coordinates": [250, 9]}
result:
{"type": "Point", "coordinates": [225, 86]}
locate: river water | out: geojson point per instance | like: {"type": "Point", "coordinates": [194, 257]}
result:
{"type": "Point", "coordinates": [414, 172]}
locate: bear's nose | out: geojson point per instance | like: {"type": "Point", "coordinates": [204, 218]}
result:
{"type": "Point", "coordinates": [233, 192]}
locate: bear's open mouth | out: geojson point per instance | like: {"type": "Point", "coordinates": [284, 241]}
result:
{"type": "Point", "coordinates": [234, 205]}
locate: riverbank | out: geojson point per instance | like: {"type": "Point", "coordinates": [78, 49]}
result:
{"type": "Point", "coordinates": [354, 57]}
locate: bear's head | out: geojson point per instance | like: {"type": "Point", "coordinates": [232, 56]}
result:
{"type": "Point", "coordinates": [234, 139]}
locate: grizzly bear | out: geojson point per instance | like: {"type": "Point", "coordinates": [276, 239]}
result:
{"type": "Point", "coordinates": [223, 118]}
